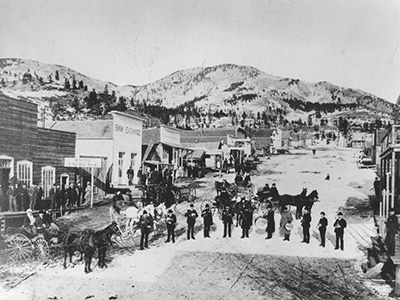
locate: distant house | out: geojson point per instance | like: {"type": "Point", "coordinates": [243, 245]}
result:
{"type": "Point", "coordinates": [358, 140]}
{"type": "Point", "coordinates": [282, 139]}
{"type": "Point", "coordinates": [207, 151]}
{"type": "Point", "coordinates": [263, 140]}
{"type": "Point", "coordinates": [162, 148]}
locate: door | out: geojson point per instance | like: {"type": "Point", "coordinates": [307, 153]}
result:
{"type": "Point", "coordinates": [121, 168]}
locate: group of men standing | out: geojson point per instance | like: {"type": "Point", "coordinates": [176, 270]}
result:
{"type": "Point", "coordinates": [17, 197]}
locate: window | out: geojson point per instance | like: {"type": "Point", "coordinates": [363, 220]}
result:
{"type": "Point", "coordinates": [120, 163]}
{"type": "Point", "coordinates": [24, 172]}
{"type": "Point", "coordinates": [48, 179]}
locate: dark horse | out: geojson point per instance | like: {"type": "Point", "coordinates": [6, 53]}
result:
{"type": "Point", "coordinates": [70, 244]}
{"type": "Point", "coordinates": [91, 240]}
{"type": "Point", "coordinates": [306, 202]}
{"type": "Point", "coordinates": [293, 200]}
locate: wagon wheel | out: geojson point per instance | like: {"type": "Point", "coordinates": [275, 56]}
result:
{"type": "Point", "coordinates": [129, 238]}
{"type": "Point", "coordinates": [180, 209]}
{"type": "Point", "coordinates": [41, 249]}
{"type": "Point", "coordinates": [179, 197]}
{"type": "Point", "coordinates": [192, 194]}
{"type": "Point", "coordinates": [19, 248]}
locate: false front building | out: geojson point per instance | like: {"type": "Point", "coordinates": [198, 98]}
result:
{"type": "Point", "coordinates": [30, 155]}
{"type": "Point", "coordinates": [117, 140]}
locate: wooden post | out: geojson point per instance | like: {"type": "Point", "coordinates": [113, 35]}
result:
{"type": "Point", "coordinates": [397, 277]}
{"type": "Point", "coordinates": [91, 187]}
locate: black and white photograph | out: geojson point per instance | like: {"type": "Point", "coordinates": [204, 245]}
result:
{"type": "Point", "coordinates": [209, 149]}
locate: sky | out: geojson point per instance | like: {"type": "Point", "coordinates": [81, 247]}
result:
{"type": "Point", "coordinates": [350, 43]}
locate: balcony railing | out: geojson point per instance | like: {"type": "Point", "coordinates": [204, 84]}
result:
{"type": "Point", "coordinates": [391, 138]}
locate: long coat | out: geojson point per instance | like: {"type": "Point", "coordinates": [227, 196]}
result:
{"type": "Point", "coordinates": [247, 218]}
{"type": "Point", "coordinates": [270, 221]}
{"type": "Point", "coordinates": [285, 218]}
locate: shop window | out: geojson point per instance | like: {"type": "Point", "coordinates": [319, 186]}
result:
{"type": "Point", "coordinates": [24, 172]}
{"type": "Point", "coordinates": [48, 179]}
{"type": "Point", "coordinates": [120, 163]}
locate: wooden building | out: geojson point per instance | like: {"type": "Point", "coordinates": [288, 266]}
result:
{"type": "Point", "coordinates": [30, 154]}
{"type": "Point", "coordinates": [116, 140]}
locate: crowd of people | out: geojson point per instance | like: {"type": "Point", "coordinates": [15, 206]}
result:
{"type": "Point", "coordinates": [18, 197]}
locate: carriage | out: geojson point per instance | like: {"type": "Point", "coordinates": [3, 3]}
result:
{"type": "Point", "coordinates": [23, 245]}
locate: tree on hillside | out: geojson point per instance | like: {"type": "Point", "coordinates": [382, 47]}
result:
{"type": "Point", "coordinates": [121, 105]}
{"type": "Point", "coordinates": [74, 86]}
{"type": "Point", "coordinates": [57, 75]}
{"type": "Point", "coordinates": [67, 85]}
{"type": "Point", "coordinates": [3, 82]}
{"type": "Point", "coordinates": [80, 85]}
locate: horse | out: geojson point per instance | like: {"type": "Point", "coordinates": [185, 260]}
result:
{"type": "Point", "coordinates": [293, 200]}
{"type": "Point", "coordinates": [91, 240]}
{"type": "Point", "coordinates": [307, 202]}
{"type": "Point", "coordinates": [70, 244]}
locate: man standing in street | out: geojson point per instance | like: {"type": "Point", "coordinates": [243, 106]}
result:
{"type": "Point", "coordinates": [340, 224]}
{"type": "Point", "coordinates": [130, 174]}
{"type": "Point", "coordinates": [191, 216]}
{"type": "Point", "coordinates": [207, 220]}
{"type": "Point", "coordinates": [375, 202]}
{"type": "Point", "coordinates": [270, 222]}
{"type": "Point", "coordinates": [171, 222]}
{"type": "Point", "coordinates": [247, 219]}
{"type": "Point", "coordinates": [322, 224]}
{"type": "Point", "coordinates": [306, 223]}
{"type": "Point", "coordinates": [146, 224]}
{"type": "Point", "coordinates": [227, 218]}
{"type": "Point", "coordinates": [392, 227]}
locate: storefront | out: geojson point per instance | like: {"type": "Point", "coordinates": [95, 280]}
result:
{"type": "Point", "coordinates": [117, 140]}
{"type": "Point", "coordinates": [31, 155]}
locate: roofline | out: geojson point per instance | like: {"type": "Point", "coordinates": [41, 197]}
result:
{"type": "Point", "coordinates": [114, 112]}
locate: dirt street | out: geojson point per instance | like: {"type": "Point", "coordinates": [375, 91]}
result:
{"type": "Point", "coordinates": [235, 268]}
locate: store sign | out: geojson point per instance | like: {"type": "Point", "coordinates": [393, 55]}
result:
{"type": "Point", "coordinates": [77, 162]}
{"type": "Point", "coordinates": [127, 130]}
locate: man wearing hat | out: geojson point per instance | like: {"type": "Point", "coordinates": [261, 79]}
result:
{"type": "Point", "coordinates": [146, 224]}
{"type": "Point", "coordinates": [171, 222]}
{"type": "Point", "coordinates": [270, 222]}
{"type": "Point", "coordinates": [207, 220]}
{"type": "Point", "coordinates": [285, 224]}
{"type": "Point", "coordinates": [340, 224]}
{"type": "Point", "coordinates": [392, 227]}
{"type": "Point", "coordinates": [306, 224]}
{"type": "Point", "coordinates": [191, 216]}
{"type": "Point", "coordinates": [227, 218]}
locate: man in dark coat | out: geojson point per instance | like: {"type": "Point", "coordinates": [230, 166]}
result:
{"type": "Point", "coordinates": [247, 219]}
{"type": "Point", "coordinates": [392, 227]}
{"type": "Point", "coordinates": [340, 224]}
{"type": "Point", "coordinates": [23, 199]}
{"type": "Point", "coordinates": [38, 198]}
{"type": "Point", "coordinates": [274, 191]}
{"type": "Point", "coordinates": [322, 224]}
{"type": "Point", "coordinates": [306, 223]}
{"type": "Point", "coordinates": [129, 174]}
{"type": "Point", "coordinates": [227, 218]}
{"type": "Point", "coordinates": [171, 223]}
{"type": "Point", "coordinates": [191, 216]}
{"type": "Point", "coordinates": [146, 224]}
{"type": "Point", "coordinates": [375, 202]}
{"type": "Point", "coordinates": [207, 220]}
{"type": "Point", "coordinates": [270, 222]}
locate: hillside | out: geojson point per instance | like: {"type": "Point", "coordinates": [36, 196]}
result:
{"type": "Point", "coordinates": [226, 90]}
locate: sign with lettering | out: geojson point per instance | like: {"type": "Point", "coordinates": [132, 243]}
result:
{"type": "Point", "coordinates": [78, 162]}
{"type": "Point", "coordinates": [127, 130]}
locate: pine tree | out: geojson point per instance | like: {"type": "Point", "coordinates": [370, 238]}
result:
{"type": "Point", "coordinates": [67, 85]}
{"type": "Point", "coordinates": [57, 76]}
{"type": "Point", "coordinates": [81, 86]}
